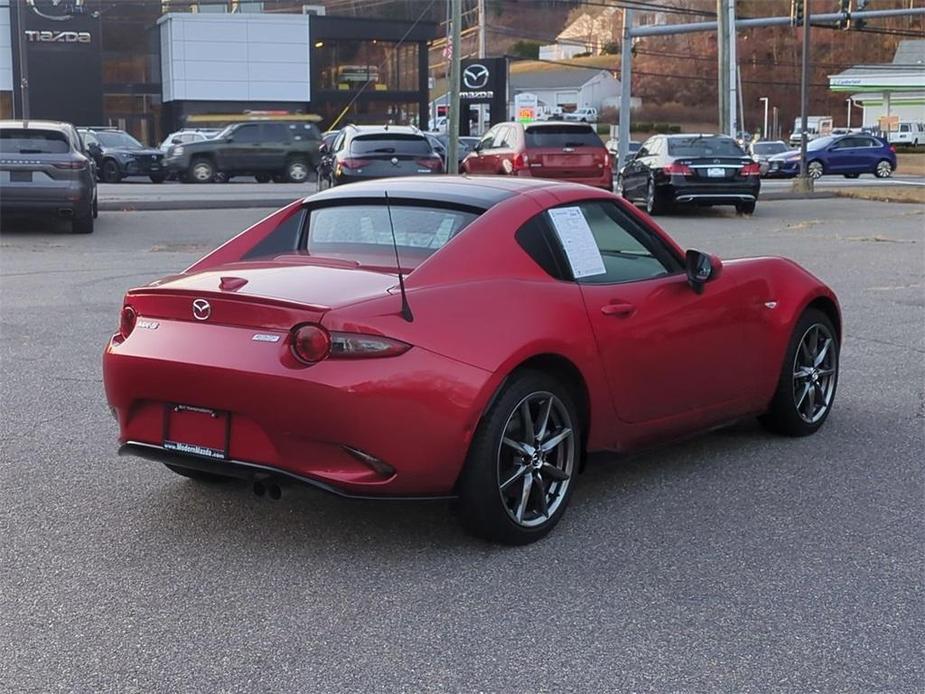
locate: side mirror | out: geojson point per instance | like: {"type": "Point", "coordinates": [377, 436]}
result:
{"type": "Point", "coordinates": [701, 268]}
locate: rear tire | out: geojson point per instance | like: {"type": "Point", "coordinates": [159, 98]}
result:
{"type": "Point", "coordinates": [82, 225]}
{"type": "Point", "coordinates": [806, 377]}
{"type": "Point", "coordinates": [197, 475]}
{"type": "Point", "coordinates": [746, 207]}
{"type": "Point", "coordinates": [512, 490]}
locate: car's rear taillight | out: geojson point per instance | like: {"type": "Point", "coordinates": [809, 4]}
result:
{"type": "Point", "coordinates": [78, 165]}
{"type": "Point", "coordinates": [678, 170]}
{"type": "Point", "coordinates": [127, 321]}
{"type": "Point", "coordinates": [352, 163]}
{"type": "Point", "coordinates": [521, 161]}
{"type": "Point", "coordinates": [433, 162]}
{"type": "Point", "coordinates": [752, 169]}
{"type": "Point", "coordinates": [311, 343]}
{"type": "Point", "coordinates": [357, 346]}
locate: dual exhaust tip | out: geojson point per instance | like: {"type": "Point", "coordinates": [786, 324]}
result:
{"type": "Point", "coordinates": [269, 488]}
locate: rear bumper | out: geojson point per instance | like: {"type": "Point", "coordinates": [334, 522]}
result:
{"type": "Point", "coordinates": [316, 424]}
{"type": "Point", "coordinates": [66, 201]}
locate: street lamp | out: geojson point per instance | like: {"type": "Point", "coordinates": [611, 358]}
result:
{"type": "Point", "coordinates": [764, 133]}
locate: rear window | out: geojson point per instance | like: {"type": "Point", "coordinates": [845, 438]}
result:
{"type": "Point", "coordinates": [29, 141]}
{"type": "Point", "coordinates": [562, 136]}
{"type": "Point", "coordinates": [359, 230]}
{"type": "Point", "coordinates": [770, 147]}
{"type": "Point", "coordinates": [711, 146]}
{"type": "Point", "coordinates": [390, 144]}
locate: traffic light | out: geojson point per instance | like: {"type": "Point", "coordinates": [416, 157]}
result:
{"type": "Point", "coordinates": [844, 8]}
{"type": "Point", "coordinates": [859, 23]}
{"type": "Point", "coordinates": [796, 13]}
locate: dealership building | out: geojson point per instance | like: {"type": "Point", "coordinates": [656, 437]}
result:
{"type": "Point", "coordinates": [153, 66]}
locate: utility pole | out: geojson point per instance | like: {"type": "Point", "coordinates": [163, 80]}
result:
{"type": "Point", "coordinates": [804, 183]}
{"type": "Point", "coordinates": [452, 125]}
{"type": "Point", "coordinates": [722, 56]}
{"type": "Point", "coordinates": [764, 132]}
{"type": "Point", "coordinates": [481, 12]}
{"type": "Point", "coordinates": [23, 65]}
{"type": "Point", "coordinates": [626, 79]}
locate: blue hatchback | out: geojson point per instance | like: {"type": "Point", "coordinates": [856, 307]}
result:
{"type": "Point", "coordinates": [849, 155]}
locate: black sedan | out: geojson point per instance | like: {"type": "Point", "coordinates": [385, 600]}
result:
{"type": "Point", "coordinates": [119, 155]}
{"type": "Point", "coordinates": [703, 170]}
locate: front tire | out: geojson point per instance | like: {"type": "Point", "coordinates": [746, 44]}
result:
{"type": "Point", "coordinates": [806, 387]}
{"type": "Point", "coordinates": [297, 171]}
{"type": "Point", "coordinates": [520, 470]}
{"type": "Point", "coordinates": [201, 171]}
{"type": "Point", "coordinates": [111, 173]}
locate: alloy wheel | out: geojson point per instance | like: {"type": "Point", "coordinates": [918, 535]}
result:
{"type": "Point", "coordinates": [536, 459]}
{"type": "Point", "coordinates": [202, 172]}
{"type": "Point", "coordinates": [297, 172]}
{"type": "Point", "coordinates": [815, 370]}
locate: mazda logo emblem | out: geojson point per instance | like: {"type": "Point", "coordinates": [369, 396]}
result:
{"type": "Point", "coordinates": [201, 309]}
{"type": "Point", "coordinates": [475, 76]}
{"type": "Point", "coordinates": [56, 10]}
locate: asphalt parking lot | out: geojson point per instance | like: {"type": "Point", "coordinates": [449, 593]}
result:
{"type": "Point", "coordinates": [738, 561]}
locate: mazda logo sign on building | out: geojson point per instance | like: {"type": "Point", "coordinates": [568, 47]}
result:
{"type": "Point", "coordinates": [475, 76]}
{"type": "Point", "coordinates": [55, 10]}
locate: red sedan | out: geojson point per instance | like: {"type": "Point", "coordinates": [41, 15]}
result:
{"type": "Point", "coordinates": [455, 337]}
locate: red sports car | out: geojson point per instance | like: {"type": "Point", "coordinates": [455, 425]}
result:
{"type": "Point", "coordinates": [456, 337]}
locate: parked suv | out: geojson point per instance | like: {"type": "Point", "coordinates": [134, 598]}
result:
{"type": "Point", "coordinates": [45, 170]}
{"type": "Point", "coordinates": [361, 152]}
{"type": "Point", "coordinates": [281, 150]}
{"type": "Point", "coordinates": [119, 155]}
{"type": "Point", "coordinates": [704, 169]}
{"type": "Point", "coordinates": [569, 151]}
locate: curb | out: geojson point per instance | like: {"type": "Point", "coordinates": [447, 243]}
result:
{"type": "Point", "coordinates": [205, 204]}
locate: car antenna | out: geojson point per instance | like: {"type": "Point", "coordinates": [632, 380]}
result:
{"type": "Point", "coordinates": [405, 306]}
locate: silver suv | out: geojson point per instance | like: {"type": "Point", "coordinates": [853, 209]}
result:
{"type": "Point", "coordinates": [45, 170]}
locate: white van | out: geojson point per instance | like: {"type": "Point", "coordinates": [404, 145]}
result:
{"type": "Point", "coordinates": [908, 133]}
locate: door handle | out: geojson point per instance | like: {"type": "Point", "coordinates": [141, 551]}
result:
{"type": "Point", "coordinates": [619, 309]}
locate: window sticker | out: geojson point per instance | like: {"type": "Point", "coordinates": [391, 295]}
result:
{"type": "Point", "coordinates": [577, 241]}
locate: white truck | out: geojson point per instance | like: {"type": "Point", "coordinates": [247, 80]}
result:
{"type": "Point", "coordinates": [588, 114]}
{"type": "Point", "coordinates": [816, 126]}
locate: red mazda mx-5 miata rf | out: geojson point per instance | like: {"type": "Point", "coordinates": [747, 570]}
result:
{"type": "Point", "coordinates": [456, 337]}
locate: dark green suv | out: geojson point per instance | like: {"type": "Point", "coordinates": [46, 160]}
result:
{"type": "Point", "coordinates": [281, 151]}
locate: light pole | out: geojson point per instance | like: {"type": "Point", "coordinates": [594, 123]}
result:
{"type": "Point", "coordinates": [764, 132]}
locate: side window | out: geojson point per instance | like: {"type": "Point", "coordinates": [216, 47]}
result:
{"type": "Point", "coordinates": [629, 251]}
{"type": "Point", "coordinates": [501, 137]}
{"type": "Point", "coordinates": [488, 139]}
{"type": "Point", "coordinates": [275, 132]}
{"type": "Point", "coordinates": [247, 134]}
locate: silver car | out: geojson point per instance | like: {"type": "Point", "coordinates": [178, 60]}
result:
{"type": "Point", "coordinates": [45, 170]}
